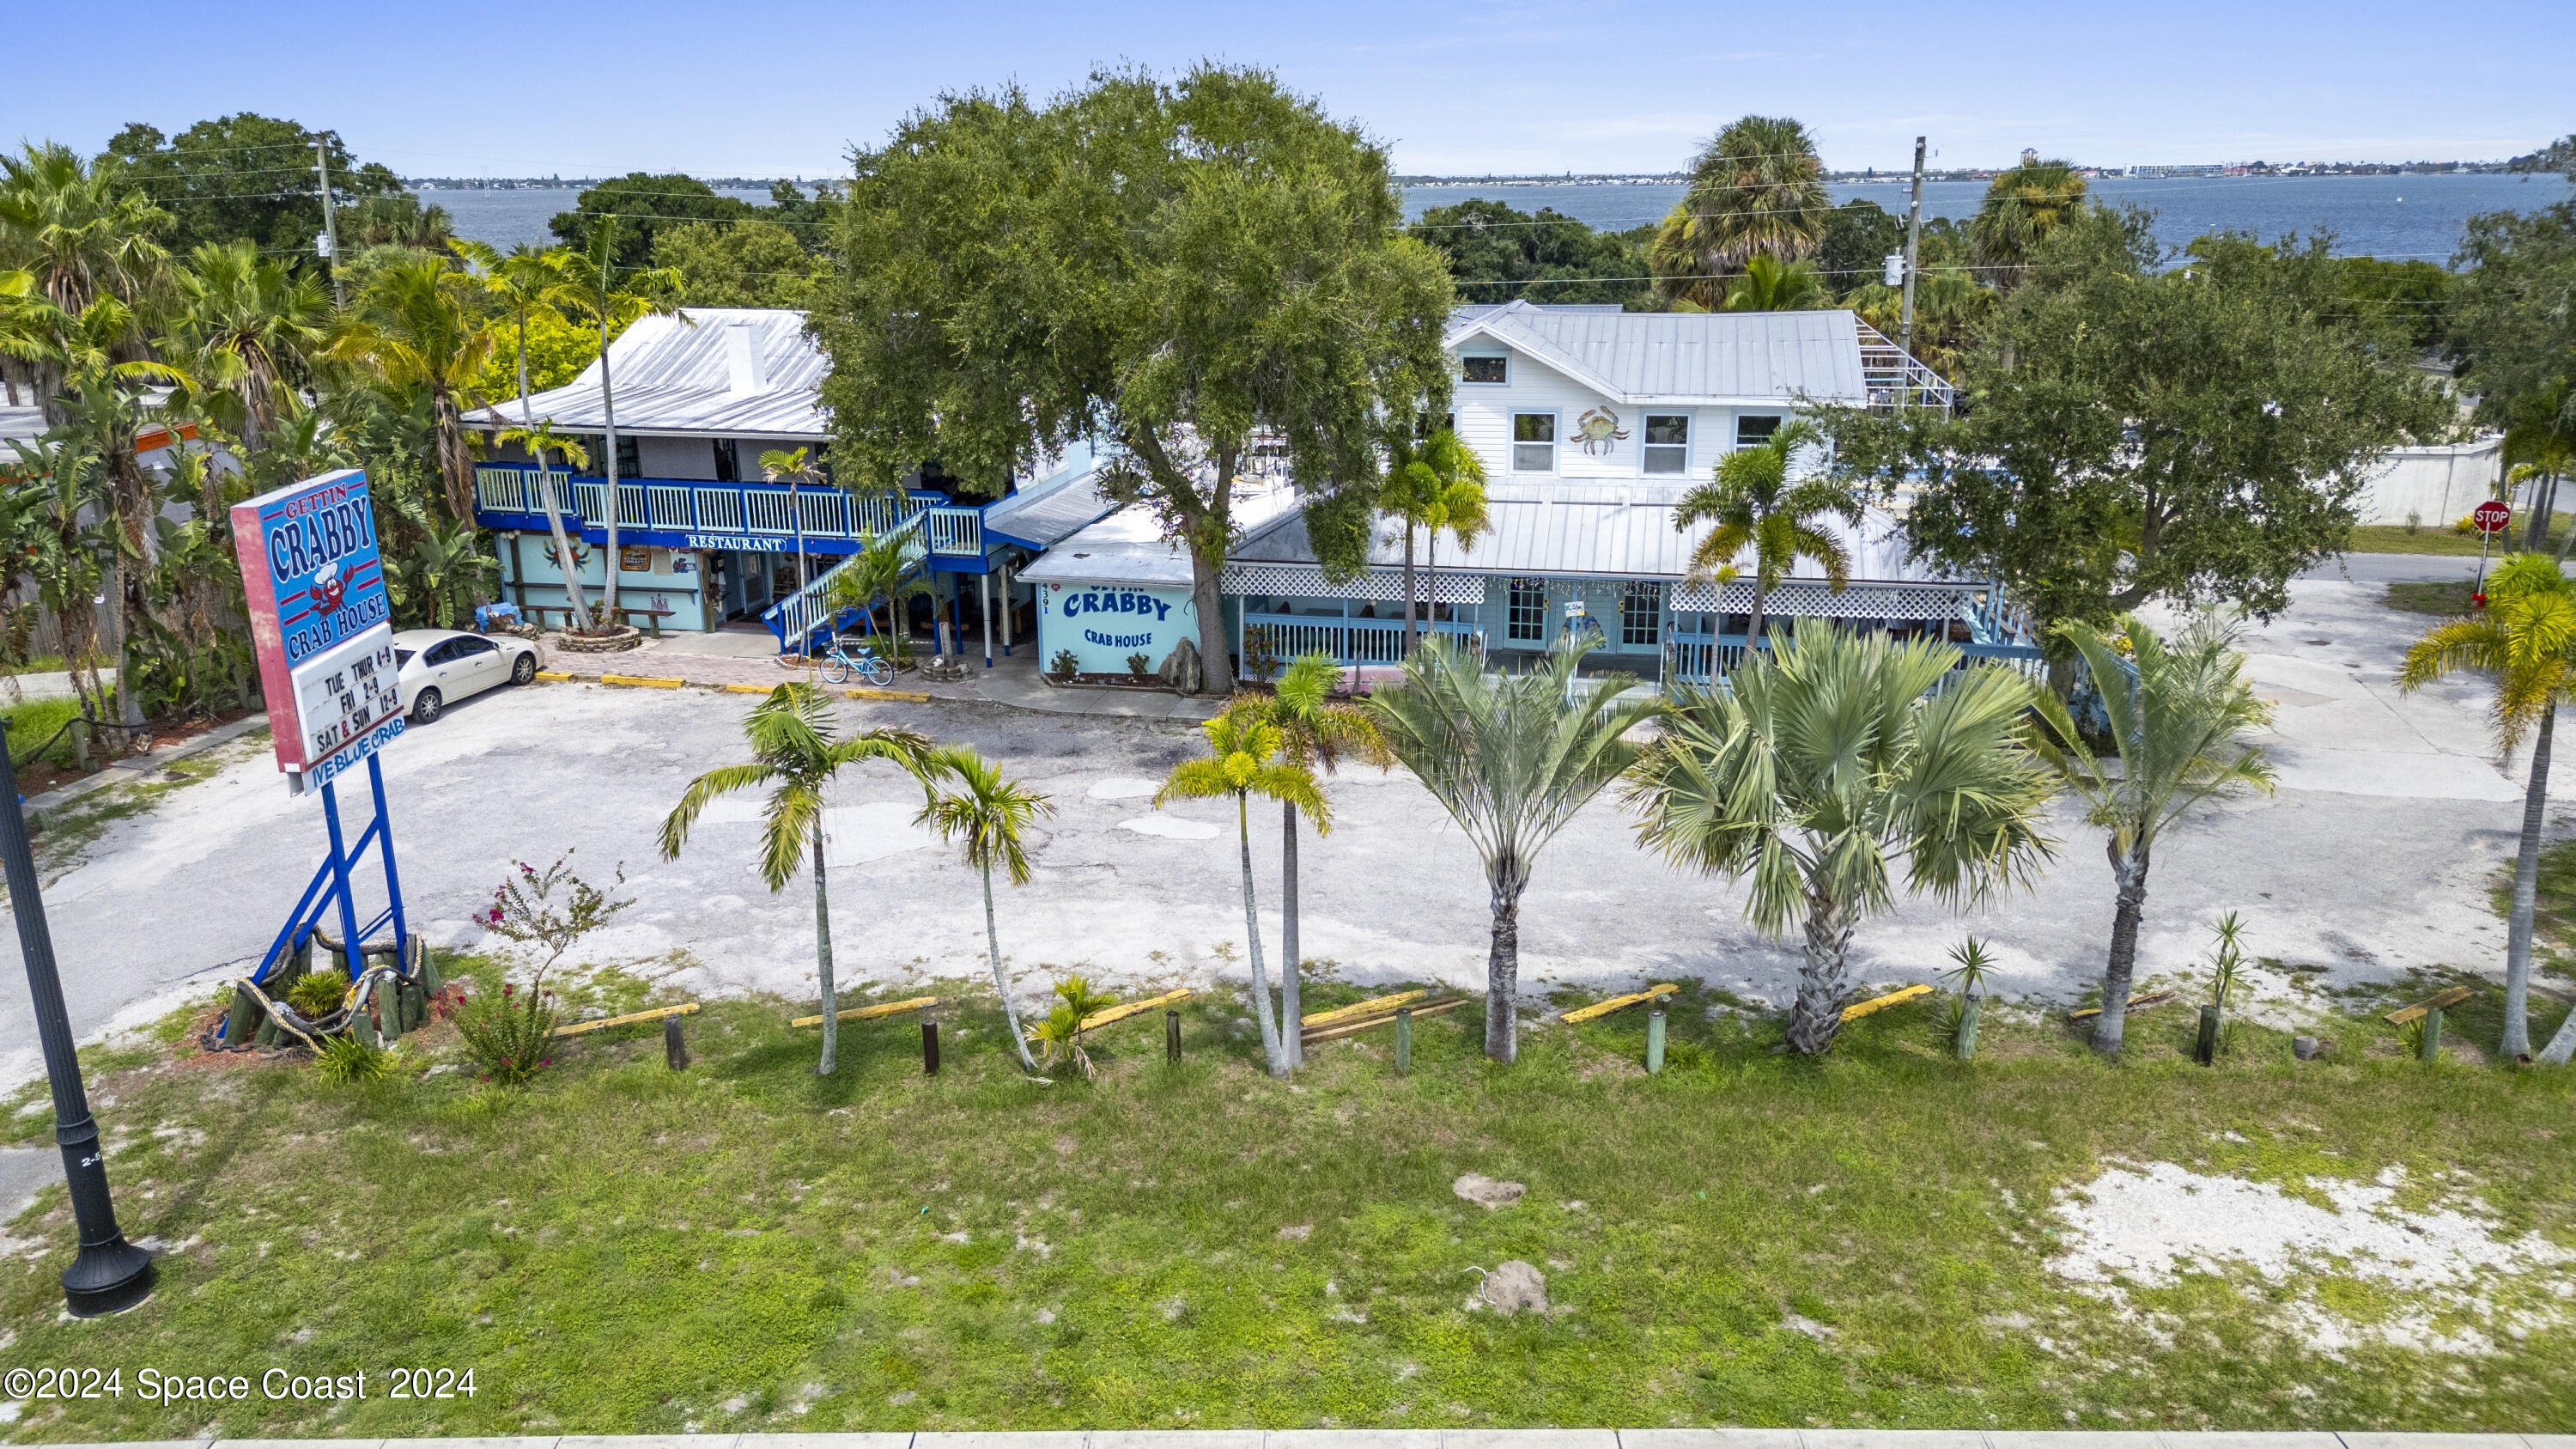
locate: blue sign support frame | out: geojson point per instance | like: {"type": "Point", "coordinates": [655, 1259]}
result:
{"type": "Point", "coordinates": [330, 887]}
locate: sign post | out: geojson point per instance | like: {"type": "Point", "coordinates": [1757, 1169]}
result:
{"type": "Point", "coordinates": [322, 628]}
{"type": "Point", "coordinates": [2491, 518]}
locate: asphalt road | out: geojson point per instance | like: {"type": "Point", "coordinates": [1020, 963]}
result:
{"type": "Point", "coordinates": [2372, 858]}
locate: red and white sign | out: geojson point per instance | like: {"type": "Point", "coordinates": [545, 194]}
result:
{"type": "Point", "coordinates": [2491, 516]}
{"type": "Point", "coordinates": [320, 622]}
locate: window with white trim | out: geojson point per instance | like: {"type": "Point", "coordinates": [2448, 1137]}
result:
{"type": "Point", "coordinates": [1641, 612]}
{"type": "Point", "coordinates": [1667, 446]}
{"type": "Point", "coordinates": [1533, 442]}
{"type": "Point", "coordinates": [1753, 428]}
{"type": "Point", "coordinates": [1489, 369]}
{"type": "Point", "coordinates": [1526, 617]}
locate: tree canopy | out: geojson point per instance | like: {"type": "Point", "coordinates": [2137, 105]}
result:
{"type": "Point", "coordinates": [1167, 267]}
{"type": "Point", "coordinates": [2512, 316]}
{"type": "Point", "coordinates": [244, 177]}
{"type": "Point", "coordinates": [1858, 236]}
{"type": "Point", "coordinates": [646, 205]}
{"type": "Point", "coordinates": [1492, 248]}
{"type": "Point", "coordinates": [2195, 433]}
{"type": "Point", "coordinates": [745, 264]}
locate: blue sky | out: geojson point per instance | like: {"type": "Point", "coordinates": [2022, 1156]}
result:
{"type": "Point", "coordinates": [758, 87]}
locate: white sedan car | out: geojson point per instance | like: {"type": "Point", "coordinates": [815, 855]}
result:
{"type": "Point", "coordinates": [436, 667]}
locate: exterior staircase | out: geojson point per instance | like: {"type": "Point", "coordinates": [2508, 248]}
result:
{"type": "Point", "coordinates": [807, 612]}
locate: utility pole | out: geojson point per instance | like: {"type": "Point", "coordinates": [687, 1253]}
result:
{"type": "Point", "coordinates": [1913, 251]}
{"type": "Point", "coordinates": [109, 1273]}
{"type": "Point", "coordinates": [331, 217]}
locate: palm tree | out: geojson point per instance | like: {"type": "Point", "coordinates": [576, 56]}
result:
{"type": "Point", "coordinates": [1755, 505]}
{"type": "Point", "coordinates": [990, 817]}
{"type": "Point", "coordinates": [1771, 285]}
{"type": "Point", "coordinates": [539, 441]}
{"type": "Point", "coordinates": [54, 505]}
{"type": "Point", "coordinates": [81, 233]}
{"type": "Point", "coordinates": [1756, 188]}
{"type": "Point", "coordinates": [1244, 760]}
{"type": "Point", "coordinates": [413, 325]}
{"type": "Point", "coordinates": [2021, 207]}
{"type": "Point", "coordinates": [1820, 772]}
{"type": "Point", "coordinates": [1459, 507]}
{"type": "Point", "coordinates": [882, 568]}
{"type": "Point", "coordinates": [1315, 731]}
{"type": "Point", "coordinates": [2526, 638]}
{"type": "Point", "coordinates": [795, 753]}
{"type": "Point", "coordinates": [594, 292]}
{"type": "Point", "coordinates": [2179, 710]}
{"type": "Point", "coordinates": [1512, 758]}
{"type": "Point", "coordinates": [791, 464]}
{"type": "Point", "coordinates": [1422, 473]}
{"type": "Point", "coordinates": [249, 325]}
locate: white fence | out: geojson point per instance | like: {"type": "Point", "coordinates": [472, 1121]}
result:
{"type": "Point", "coordinates": [2434, 484]}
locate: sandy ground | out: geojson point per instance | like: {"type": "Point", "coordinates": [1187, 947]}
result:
{"type": "Point", "coordinates": [2370, 860]}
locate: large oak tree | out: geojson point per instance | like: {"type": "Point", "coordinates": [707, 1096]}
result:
{"type": "Point", "coordinates": [1170, 268]}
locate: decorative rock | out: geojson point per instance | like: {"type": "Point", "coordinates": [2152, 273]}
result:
{"type": "Point", "coordinates": [2306, 1048]}
{"type": "Point", "coordinates": [624, 636]}
{"type": "Point", "coordinates": [1515, 1286]}
{"type": "Point", "coordinates": [1183, 670]}
{"type": "Point", "coordinates": [1488, 1194]}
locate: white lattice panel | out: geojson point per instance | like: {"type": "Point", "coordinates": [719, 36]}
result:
{"type": "Point", "coordinates": [1816, 601]}
{"type": "Point", "coordinates": [1300, 581]}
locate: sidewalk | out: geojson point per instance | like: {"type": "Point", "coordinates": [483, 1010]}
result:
{"type": "Point", "coordinates": [1454, 1439]}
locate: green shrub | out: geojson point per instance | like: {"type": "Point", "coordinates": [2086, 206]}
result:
{"type": "Point", "coordinates": [317, 994]}
{"type": "Point", "coordinates": [1066, 664]}
{"type": "Point", "coordinates": [346, 1061]}
{"type": "Point", "coordinates": [509, 1036]}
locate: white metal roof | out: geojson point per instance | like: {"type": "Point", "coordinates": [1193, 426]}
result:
{"type": "Point", "coordinates": [709, 371]}
{"type": "Point", "coordinates": [1560, 530]}
{"type": "Point", "coordinates": [1061, 501]}
{"type": "Point", "coordinates": [1658, 357]}
{"type": "Point", "coordinates": [1128, 546]}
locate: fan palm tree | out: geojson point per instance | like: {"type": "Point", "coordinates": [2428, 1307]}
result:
{"type": "Point", "coordinates": [1757, 188]}
{"type": "Point", "coordinates": [989, 817]}
{"type": "Point", "coordinates": [248, 325]}
{"type": "Point", "coordinates": [413, 325]}
{"type": "Point", "coordinates": [81, 233]}
{"type": "Point", "coordinates": [2179, 710]}
{"type": "Point", "coordinates": [1244, 760]}
{"type": "Point", "coordinates": [792, 466]}
{"type": "Point", "coordinates": [539, 441]}
{"type": "Point", "coordinates": [2021, 207]}
{"type": "Point", "coordinates": [795, 754]}
{"type": "Point", "coordinates": [1820, 773]}
{"type": "Point", "coordinates": [1512, 758]}
{"type": "Point", "coordinates": [595, 293]}
{"type": "Point", "coordinates": [1771, 285]}
{"type": "Point", "coordinates": [1420, 475]}
{"type": "Point", "coordinates": [1315, 732]}
{"type": "Point", "coordinates": [1755, 505]}
{"type": "Point", "coordinates": [2526, 638]}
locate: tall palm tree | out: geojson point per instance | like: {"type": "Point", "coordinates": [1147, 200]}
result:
{"type": "Point", "coordinates": [1315, 732]}
{"type": "Point", "coordinates": [2526, 638]}
{"type": "Point", "coordinates": [415, 327]}
{"type": "Point", "coordinates": [1821, 772]}
{"type": "Point", "coordinates": [597, 294]}
{"type": "Point", "coordinates": [792, 465]}
{"type": "Point", "coordinates": [990, 818]}
{"type": "Point", "coordinates": [795, 753]}
{"type": "Point", "coordinates": [1755, 505]}
{"type": "Point", "coordinates": [81, 232]}
{"type": "Point", "coordinates": [1771, 285]}
{"type": "Point", "coordinates": [539, 441]}
{"type": "Point", "coordinates": [1757, 188]}
{"type": "Point", "coordinates": [248, 325]}
{"type": "Point", "coordinates": [1458, 506]}
{"type": "Point", "coordinates": [1244, 760]}
{"type": "Point", "coordinates": [2179, 710]}
{"type": "Point", "coordinates": [1512, 758]}
{"type": "Point", "coordinates": [1420, 473]}
{"type": "Point", "coordinates": [2021, 207]}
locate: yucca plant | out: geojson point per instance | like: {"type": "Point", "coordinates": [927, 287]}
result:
{"type": "Point", "coordinates": [347, 1061]}
{"type": "Point", "coordinates": [2227, 981]}
{"type": "Point", "coordinates": [1968, 978]}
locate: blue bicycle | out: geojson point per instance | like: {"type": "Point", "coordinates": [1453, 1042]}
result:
{"type": "Point", "coordinates": [839, 665]}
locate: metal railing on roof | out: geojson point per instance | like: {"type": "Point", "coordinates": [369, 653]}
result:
{"type": "Point", "coordinates": [1896, 380]}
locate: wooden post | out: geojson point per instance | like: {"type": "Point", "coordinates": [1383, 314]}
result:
{"type": "Point", "coordinates": [1403, 1041]}
{"type": "Point", "coordinates": [1968, 1014]}
{"type": "Point", "coordinates": [2432, 1034]}
{"type": "Point", "coordinates": [1654, 1041]}
{"type": "Point", "coordinates": [244, 1020]}
{"type": "Point", "coordinates": [930, 1044]}
{"type": "Point", "coordinates": [675, 1052]}
{"type": "Point", "coordinates": [1172, 1036]}
{"type": "Point", "coordinates": [2205, 1051]}
{"type": "Point", "coordinates": [362, 1024]}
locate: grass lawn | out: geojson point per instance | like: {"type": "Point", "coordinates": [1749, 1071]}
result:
{"type": "Point", "coordinates": [2436, 537]}
{"type": "Point", "coordinates": [2451, 599]}
{"type": "Point", "coordinates": [1746, 1239]}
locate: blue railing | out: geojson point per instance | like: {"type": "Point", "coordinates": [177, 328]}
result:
{"type": "Point", "coordinates": [723, 514]}
{"type": "Point", "coordinates": [1349, 641]}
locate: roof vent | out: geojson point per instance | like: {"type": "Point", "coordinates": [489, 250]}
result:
{"type": "Point", "coordinates": [742, 359]}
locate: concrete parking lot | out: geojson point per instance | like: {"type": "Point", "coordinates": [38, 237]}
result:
{"type": "Point", "coordinates": [2372, 858]}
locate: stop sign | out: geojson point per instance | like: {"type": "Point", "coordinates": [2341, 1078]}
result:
{"type": "Point", "coordinates": [2491, 516]}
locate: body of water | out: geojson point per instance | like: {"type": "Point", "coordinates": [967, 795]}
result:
{"type": "Point", "coordinates": [2395, 217]}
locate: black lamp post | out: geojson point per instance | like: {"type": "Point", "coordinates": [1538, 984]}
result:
{"type": "Point", "coordinates": [110, 1273]}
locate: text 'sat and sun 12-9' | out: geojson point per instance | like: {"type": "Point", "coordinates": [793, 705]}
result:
{"type": "Point", "coordinates": [320, 621]}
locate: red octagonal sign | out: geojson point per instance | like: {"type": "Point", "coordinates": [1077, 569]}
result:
{"type": "Point", "coordinates": [2491, 516]}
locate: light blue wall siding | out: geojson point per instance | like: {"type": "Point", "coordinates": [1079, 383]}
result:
{"type": "Point", "coordinates": [1104, 623]}
{"type": "Point", "coordinates": [672, 579]}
